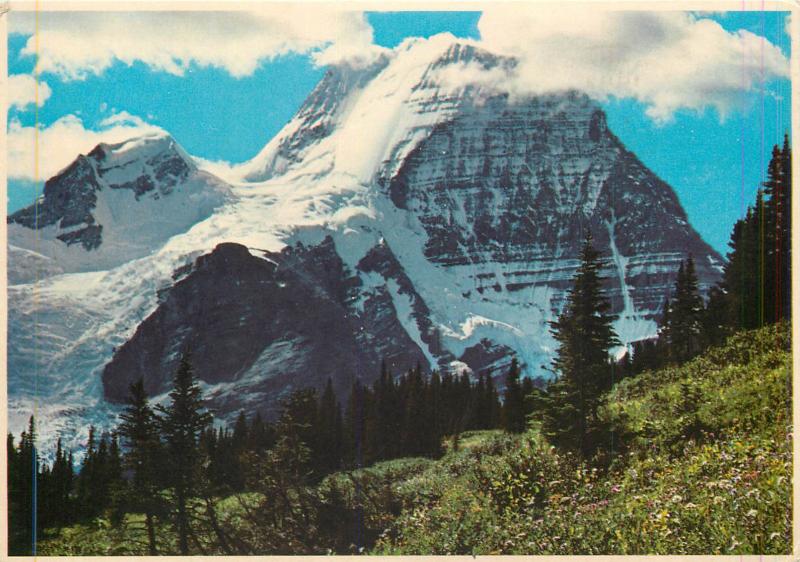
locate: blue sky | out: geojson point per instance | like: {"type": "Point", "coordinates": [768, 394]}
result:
{"type": "Point", "coordinates": [715, 163]}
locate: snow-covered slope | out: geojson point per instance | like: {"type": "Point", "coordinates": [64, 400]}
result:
{"type": "Point", "coordinates": [117, 203]}
{"type": "Point", "coordinates": [436, 221]}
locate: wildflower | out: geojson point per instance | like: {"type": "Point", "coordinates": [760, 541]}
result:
{"type": "Point", "coordinates": [752, 513]}
{"type": "Point", "coordinates": [615, 489]}
{"type": "Point", "coordinates": [676, 498]}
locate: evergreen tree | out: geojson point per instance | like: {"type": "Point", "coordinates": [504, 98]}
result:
{"type": "Point", "coordinates": [514, 420]}
{"type": "Point", "coordinates": [529, 399]}
{"type": "Point", "coordinates": [493, 399]}
{"type": "Point", "coordinates": [417, 434]}
{"type": "Point", "coordinates": [777, 235]}
{"type": "Point", "coordinates": [743, 274]}
{"type": "Point", "coordinates": [358, 405]}
{"type": "Point", "coordinates": [648, 354]}
{"type": "Point", "coordinates": [715, 325]}
{"type": "Point", "coordinates": [86, 491]}
{"type": "Point", "coordinates": [23, 493]}
{"type": "Point", "coordinates": [385, 439]}
{"type": "Point", "coordinates": [63, 476]}
{"type": "Point", "coordinates": [231, 454]}
{"type": "Point", "coordinates": [329, 432]}
{"type": "Point", "coordinates": [139, 431]}
{"type": "Point", "coordinates": [585, 336]}
{"type": "Point", "coordinates": [757, 277]}
{"type": "Point", "coordinates": [181, 424]}
{"type": "Point", "coordinates": [685, 315]}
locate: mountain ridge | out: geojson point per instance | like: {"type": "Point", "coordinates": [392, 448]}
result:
{"type": "Point", "coordinates": [456, 214]}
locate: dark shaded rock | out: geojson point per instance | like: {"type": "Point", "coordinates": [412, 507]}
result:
{"type": "Point", "coordinates": [68, 197]}
{"type": "Point", "coordinates": [488, 358]}
{"type": "Point", "coordinates": [382, 260]}
{"type": "Point", "coordinates": [261, 327]}
{"type": "Point", "coordinates": [90, 237]}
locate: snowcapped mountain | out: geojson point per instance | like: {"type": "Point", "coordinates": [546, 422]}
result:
{"type": "Point", "coordinates": [117, 203]}
{"type": "Point", "coordinates": [403, 214]}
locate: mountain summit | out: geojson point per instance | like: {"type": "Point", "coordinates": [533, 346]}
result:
{"type": "Point", "coordinates": [114, 204]}
{"type": "Point", "coordinates": [406, 214]}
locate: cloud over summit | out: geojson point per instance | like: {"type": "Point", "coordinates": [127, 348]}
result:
{"type": "Point", "coordinates": [666, 60]}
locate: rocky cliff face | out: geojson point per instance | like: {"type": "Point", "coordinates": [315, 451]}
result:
{"type": "Point", "coordinates": [399, 216]}
{"type": "Point", "coordinates": [259, 326]}
{"type": "Point", "coordinates": [521, 185]}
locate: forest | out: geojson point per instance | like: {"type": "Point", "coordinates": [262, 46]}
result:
{"type": "Point", "coordinates": [443, 462]}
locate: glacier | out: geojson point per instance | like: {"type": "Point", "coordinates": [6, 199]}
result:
{"type": "Point", "coordinates": [454, 212]}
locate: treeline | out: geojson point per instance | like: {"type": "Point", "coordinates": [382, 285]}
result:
{"type": "Point", "coordinates": [62, 495]}
{"type": "Point", "coordinates": [395, 417]}
{"type": "Point", "coordinates": [171, 465]}
{"type": "Point", "coordinates": [160, 461]}
{"type": "Point", "coordinates": [755, 290]}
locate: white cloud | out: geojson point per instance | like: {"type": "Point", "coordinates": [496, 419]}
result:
{"type": "Point", "coordinates": [220, 168]}
{"type": "Point", "coordinates": [60, 143]}
{"type": "Point", "coordinates": [75, 45]}
{"type": "Point", "coordinates": [667, 60]}
{"type": "Point", "coordinates": [22, 91]}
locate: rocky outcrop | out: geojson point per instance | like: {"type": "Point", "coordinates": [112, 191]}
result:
{"type": "Point", "coordinates": [259, 324]}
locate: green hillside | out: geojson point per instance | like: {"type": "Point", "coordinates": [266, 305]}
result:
{"type": "Point", "coordinates": [702, 464]}
{"type": "Point", "coordinates": [705, 467]}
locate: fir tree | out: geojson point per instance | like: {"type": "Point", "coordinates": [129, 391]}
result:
{"type": "Point", "coordinates": [777, 235]}
{"type": "Point", "coordinates": [514, 403]}
{"type": "Point", "coordinates": [685, 319]}
{"type": "Point", "coordinates": [585, 336]}
{"type": "Point", "coordinates": [743, 274]}
{"type": "Point", "coordinates": [23, 493]}
{"type": "Point", "coordinates": [715, 326]}
{"type": "Point", "coordinates": [139, 431]}
{"type": "Point", "coordinates": [329, 431]}
{"type": "Point", "coordinates": [181, 425]}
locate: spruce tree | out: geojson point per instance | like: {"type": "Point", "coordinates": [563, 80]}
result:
{"type": "Point", "coordinates": [86, 477]}
{"type": "Point", "coordinates": [232, 454]}
{"type": "Point", "coordinates": [493, 399]}
{"type": "Point", "coordinates": [585, 336]}
{"type": "Point", "coordinates": [784, 228]}
{"type": "Point", "coordinates": [715, 325]}
{"type": "Point", "coordinates": [776, 233]}
{"type": "Point", "coordinates": [685, 329]}
{"type": "Point", "coordinates": [329, 431]}
{"type": "Point", "coordinates": [514, 402]}
{"type": "Point", "coordinates": [139, 431]}
{"type": "Point", "coordinates": [744, 273]}
{"type": "Point", "coordinates": [62, 475]}
{"type": "Point", "coordinates": [181, 425]}
{"type": "Point", "coordinates": [23, 493]}
{"type": "Point", "coordinates": [529, 396]}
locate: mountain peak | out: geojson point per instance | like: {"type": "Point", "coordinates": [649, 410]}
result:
{"type": "Point", "coordinates": [129, 197]}
{"type": "Point", "coordinates": [158, 146]}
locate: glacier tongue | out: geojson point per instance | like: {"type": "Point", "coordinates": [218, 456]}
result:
{"type": "Point", "coordinates": [456, 215]}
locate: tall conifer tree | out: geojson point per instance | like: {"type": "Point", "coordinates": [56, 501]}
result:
{"type": "Point", "coordinates": [181, 425]}
{"type": "Point", "coordinates": [139, 431]}
{"type": "Point", "coordinates": [585, 336]}
{"type": "Point", "coordinates": [514, 403]}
